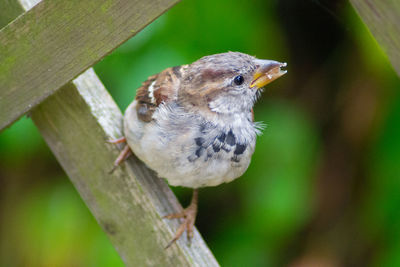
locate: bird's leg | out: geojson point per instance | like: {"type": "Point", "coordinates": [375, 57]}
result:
{"type": "Point", "coordinates": [125, 153]}
{"type": "Point", "coordinates": [118, 140]}
{"type": "Point", "coordinates": [189, 217]}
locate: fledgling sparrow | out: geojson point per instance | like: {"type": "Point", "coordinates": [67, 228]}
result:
{"type": "Point", "coordinates": [193, 124]}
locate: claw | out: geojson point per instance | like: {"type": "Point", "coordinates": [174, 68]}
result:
{"type": "Point", "coordinates": [125, 153]}
{"type": "Point", "coordinates": [189, 217]}
{"type": "Point", "coordinates": [175, 215]}
{"type": "Point", "coordinates": [117, 141]}
{"type": "Point", "coordinates": [178, 234]}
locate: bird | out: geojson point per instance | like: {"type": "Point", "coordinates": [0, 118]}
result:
{"type": "Point", "coordinates": [194, 124]}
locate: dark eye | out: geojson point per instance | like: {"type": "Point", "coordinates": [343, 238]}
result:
{"type": "Point", "coordinates": [238, 80]}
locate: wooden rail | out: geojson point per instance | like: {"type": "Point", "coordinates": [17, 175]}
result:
{"type": "Point", "coordinates": [57, 40]}
{"type": "Point", "coordinates": [383, 20]}
{"type": "Point", "coordinates": [77, 121]}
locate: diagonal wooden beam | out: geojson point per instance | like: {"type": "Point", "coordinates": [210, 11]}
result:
{"type": "Point", "coordinates": [128, 204]}
{"type": "Point", "coordinates": [56, 40]}
{"type": "Point", "coordinates": [382, 17]}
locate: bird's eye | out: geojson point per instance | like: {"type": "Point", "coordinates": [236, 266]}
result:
{"type": "Point", "coordinates": [238, 80]}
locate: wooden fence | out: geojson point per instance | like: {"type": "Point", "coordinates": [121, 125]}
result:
{"type": "Point", "coordinates": [41, 52]}
{"type": "Point", "coordinates": [46, 52]}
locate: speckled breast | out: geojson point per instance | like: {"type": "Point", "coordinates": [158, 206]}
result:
{"type": "Point", "coordinates": [189, 152]}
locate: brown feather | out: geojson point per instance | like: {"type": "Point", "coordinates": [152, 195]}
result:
{"type": "Point", "coordinates": [165, 86]}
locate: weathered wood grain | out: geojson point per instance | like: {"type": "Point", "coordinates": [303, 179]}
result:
{"type": "Point", "coordinates": [383, 19]}
{"type": "Point", "coordinates": [129, 204]}
{"type": "Point", "coordinates": [57, 40]}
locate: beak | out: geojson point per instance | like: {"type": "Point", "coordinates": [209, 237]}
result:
{"type": "Point", "coordinates": [266, 72]}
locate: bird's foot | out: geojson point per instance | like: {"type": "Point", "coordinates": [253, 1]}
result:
{"type": "Point", "coordinates": [125, 153]}
{"type": "Point", "coordinates": [189, 217]}
{"type": "Point", "coordinates": [117, 141]}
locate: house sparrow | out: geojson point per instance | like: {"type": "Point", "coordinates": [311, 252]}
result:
{"type": "Point", "coordinates": [193, 124]}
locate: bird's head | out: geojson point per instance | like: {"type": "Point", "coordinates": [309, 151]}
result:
{"type": "Point", "coordinates": [227, 83]}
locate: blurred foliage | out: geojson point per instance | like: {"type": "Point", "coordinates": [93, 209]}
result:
{"type": "Point", "coordinates": [323, 187]}
{"type": "Point", "coordinates": [49, 226]}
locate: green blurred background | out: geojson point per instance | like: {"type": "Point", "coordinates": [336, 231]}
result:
{"type": "Point", "coordinates": [323, 188]}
